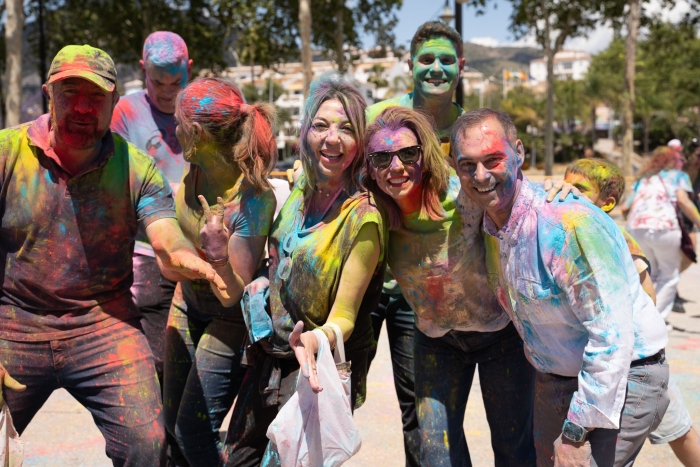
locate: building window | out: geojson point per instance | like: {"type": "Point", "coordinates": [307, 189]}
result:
{"type": "Point", "coordinates": [567, 65]}
{"type": "Point", "coordinates": [369, 94]}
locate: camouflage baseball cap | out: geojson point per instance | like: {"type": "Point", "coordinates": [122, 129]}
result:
{"type": "Point", "coordinates": [83, 61]}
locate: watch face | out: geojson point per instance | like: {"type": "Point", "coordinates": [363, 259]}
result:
{"type": "Point", "coordinates": [574, 432]}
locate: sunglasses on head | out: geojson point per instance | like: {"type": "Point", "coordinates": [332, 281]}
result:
{"type": "Point", "coordinates": [407, 155]}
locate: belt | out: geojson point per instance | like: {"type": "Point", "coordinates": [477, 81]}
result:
{"type": "Point", "coordinates": [656, 358]}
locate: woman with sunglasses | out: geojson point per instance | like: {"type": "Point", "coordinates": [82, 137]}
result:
{"type": "Point", "coordinates": [326, 266]}
{"type": "Point", "coordinates": [436, 252]}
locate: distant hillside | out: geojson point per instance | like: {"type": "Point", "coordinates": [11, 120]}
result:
{"type": "Point", "coordinates": [491, 60]}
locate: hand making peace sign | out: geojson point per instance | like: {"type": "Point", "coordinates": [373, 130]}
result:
{"type": "Point", "coordinates": [214, 234]}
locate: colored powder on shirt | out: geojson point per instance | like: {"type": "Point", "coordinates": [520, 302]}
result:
{"type": "Point", "coordinates": [68, 241]}
{"type": "Point", "coordinates": [440, 266]}
{"type": "Point", "coordinates": [318, 256]}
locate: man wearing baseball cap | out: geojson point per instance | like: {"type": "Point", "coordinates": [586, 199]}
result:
{"type": "Point", "coordinates": [72, 196]}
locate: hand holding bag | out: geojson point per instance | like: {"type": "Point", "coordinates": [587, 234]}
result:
{"type": "Point", "coordinates": [317, 430]}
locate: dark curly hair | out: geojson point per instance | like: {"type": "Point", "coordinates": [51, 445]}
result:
{"type": "Point", "coordinates": [437, 29]}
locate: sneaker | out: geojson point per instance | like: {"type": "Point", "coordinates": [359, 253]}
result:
{"type": "Point", "coordinates": [678, 305]}
{"type": "Point", "coordinates": [669, 326]}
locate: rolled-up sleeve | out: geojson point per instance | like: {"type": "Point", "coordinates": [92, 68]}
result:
{"type": "Point", "coordinates": [593, 270]}
{"type": "Point", "coordinates": [154, 198]}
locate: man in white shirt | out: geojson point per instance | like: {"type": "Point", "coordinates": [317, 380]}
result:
{"type": "Point", "coordinates": [564, 274]}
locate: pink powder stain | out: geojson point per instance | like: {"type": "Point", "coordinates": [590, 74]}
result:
{"type": "Point", "coordinates": [690, 343]}
{"type": "Point", "coordinates": [164, 47]}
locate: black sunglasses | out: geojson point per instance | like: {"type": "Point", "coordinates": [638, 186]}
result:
{"type": "Point", "coordinates": [407, 155]}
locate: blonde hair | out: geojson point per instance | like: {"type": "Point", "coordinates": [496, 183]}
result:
{"type": "Point", "coordinates": [243, 132]}
{"type": "Point", "coordinates": [332, 86]}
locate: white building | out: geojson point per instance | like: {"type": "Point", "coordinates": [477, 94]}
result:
{"type": "Point", "coordinates": [568, 64]}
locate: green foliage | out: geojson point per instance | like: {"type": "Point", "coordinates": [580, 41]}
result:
{"type": "Point", "coordinates": [217, 32]}
{"type": "Point", "coordinates": [376, 76]}
{"type": "Point", "coordinates": [667, 89]}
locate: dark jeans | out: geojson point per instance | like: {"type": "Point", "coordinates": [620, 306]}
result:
{"type": "Point", "coordinates": [400, 323]}
{"type": "Point", "coordinates": [246, 442]}
{"type": "Point", "coordinates": [646, 401]}
{"type": "Point", "coordinates": [153, 294]}
{"type": "Point", "coordinates": [110, 372]}
{"type": "Point", "coordinates": [444, 369]}
{"type": "Point", "coordinates": [202, 378]}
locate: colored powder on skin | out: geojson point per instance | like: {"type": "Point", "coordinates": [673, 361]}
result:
{"type": "Point", "coordinates": [164, 48]}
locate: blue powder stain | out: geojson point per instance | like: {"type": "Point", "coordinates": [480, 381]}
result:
{"type": "Point", "coordinates": [205, 102]}
{"type": "Point", "coordinates": [388, 140]}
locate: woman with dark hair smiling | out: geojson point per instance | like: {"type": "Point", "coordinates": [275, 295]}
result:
{"type": "Point", "coordinates": [326, 268]}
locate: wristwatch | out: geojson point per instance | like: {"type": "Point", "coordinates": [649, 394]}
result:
{"type": "Point", "coordinates": [574, 432]}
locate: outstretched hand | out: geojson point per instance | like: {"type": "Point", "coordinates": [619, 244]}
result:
{"type": "Point", "coordinates": [9, 382]}
{"type": "Point", "coordinates": [214, 234]}
{"type": "Point", "coordinates": [305, 346]}
{"type": "Point", "coordinates": [195, 268]}
{"type": "Point", "coordinates": [562, 187]}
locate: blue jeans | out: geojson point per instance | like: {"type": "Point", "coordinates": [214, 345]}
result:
{"type": "Point", "coordinates": [110, 372]}
{"type": "Point", "coordinates": [202, 376]}
{"type": "Point", "coordinates": [444, 369]}
{"type": "Point", "coordinates": [400, 324]}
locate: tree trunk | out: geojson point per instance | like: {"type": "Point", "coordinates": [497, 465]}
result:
{"type": "Point", "coordinates": [305, 29]}
{"type": "Point", "coordinates": [593, 139]}
{"type": "Point", "coordinates": [14, 26]}
{"type": "Point", "coordinates": [339, 39]}
{"type": "Point", "coordinates": [549, 118]}
{"type": "Point", "coordinates": [633, 17]}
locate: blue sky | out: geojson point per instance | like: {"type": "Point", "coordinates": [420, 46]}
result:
{"type": "Point", "coordinates": [491, 28]}
{"type": "Point", "coordinates": [493, 24]}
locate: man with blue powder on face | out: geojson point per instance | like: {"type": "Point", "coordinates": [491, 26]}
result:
{"type": "Point", "coordinates": [147, 120]}
{"type": "Point", "coordinates": [564, 274]}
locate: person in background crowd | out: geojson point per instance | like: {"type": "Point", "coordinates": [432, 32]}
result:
{"type": "Point", "coordinates": [146, 119]}
{"type": "Point", "coordinates": [603, 184]}
{"type": "Point", "coordinates": [653, 222]}
{"type": "Point", "coordinates": [73, 195]}
{"type": "Point", "coordinates": [565, 276]}
{"type": "Point", "coordinates": [327, 262]}
{"type": "Point", "coordinates": [436, 252]}
{"type": "Point", "coordinates": [231, 150]}
{"type": "Point", "coordinates": [692, 168]}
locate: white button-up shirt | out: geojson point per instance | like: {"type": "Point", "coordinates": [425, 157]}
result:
{"type": "Point", "coordinates": [564, 275]}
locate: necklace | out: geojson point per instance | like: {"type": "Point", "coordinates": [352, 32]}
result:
{"type": "Point", "coordinates": [319, 208]}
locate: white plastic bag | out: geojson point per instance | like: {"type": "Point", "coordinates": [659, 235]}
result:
{"type": "Point", "coordinates": [317, 430]}
{"type": "Point", "coordinates": [11, 447]}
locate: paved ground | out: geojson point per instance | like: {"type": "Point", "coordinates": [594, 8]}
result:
{"type": "Point", "coordinates": [62, 434]}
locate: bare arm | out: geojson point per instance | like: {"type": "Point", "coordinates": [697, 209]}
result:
{"type": "Point", "coordinates": [354, 280]}
{"type": "Point", "coordinates": [688, 207]}
{"type": "Point", "coordinates": [244, 257]}
{"type": "Point", "coordinates": [647, 284]}
{"type": "Point", "coordinates": [176, 256]}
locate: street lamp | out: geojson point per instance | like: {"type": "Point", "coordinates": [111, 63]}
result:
{"type": "Point", "coordinates": [459, 95]}
{"type": "Point", "coordinates": [446, 16]}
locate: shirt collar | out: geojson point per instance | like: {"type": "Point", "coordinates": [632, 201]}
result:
{"type": "Point", "coordinates": [521, 206]}
{"type": "Point", "coordinates": [39, 136]}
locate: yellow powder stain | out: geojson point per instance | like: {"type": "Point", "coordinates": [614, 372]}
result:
{"type": "Point", "coordinates": [446, 441]}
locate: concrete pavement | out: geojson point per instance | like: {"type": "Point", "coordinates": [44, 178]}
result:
{"type": "Point", "coordinates": [63, 435]}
